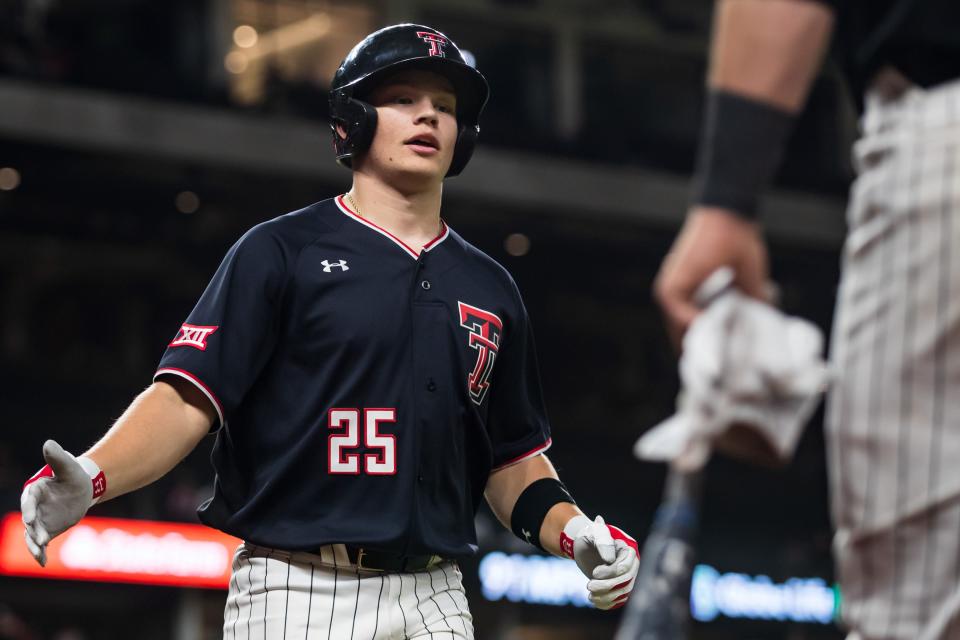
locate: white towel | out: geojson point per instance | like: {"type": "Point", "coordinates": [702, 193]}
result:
{"type": "Point", "coordinates": [744, 364]}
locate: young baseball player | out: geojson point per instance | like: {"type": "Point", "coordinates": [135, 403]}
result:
{"type": "Point", "coordinates": [893, 429]}
{"type": "Point", "coordinates": [369, 375]}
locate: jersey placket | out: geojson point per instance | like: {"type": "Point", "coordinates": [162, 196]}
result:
{"type": "Point", "coordinates": [425, 310]}
{"type": "Point", "coordinates": [428, 320]}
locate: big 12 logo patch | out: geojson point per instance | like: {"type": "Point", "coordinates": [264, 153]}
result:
{"type": "Point", "coordinates": [486, 330]}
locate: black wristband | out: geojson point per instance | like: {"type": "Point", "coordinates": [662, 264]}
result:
{"type": "Point", "coordinates": [741, 145]}
{"type": "Point", "coordinates": [532, 506]}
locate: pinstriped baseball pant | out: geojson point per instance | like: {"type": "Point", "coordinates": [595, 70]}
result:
{"type": "Point", "coordinates": [893, 428]}
{"type": "Point", "coordinates": [276, 595]}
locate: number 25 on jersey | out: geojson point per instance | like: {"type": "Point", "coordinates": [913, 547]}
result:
{"type": "Point", "coordinates": [381, 456]}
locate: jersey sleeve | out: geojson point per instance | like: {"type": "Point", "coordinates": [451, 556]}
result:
{"type": "Point", "coordinates": [517, 419]}
{"type": "Point", "coordinates": [231, 332]}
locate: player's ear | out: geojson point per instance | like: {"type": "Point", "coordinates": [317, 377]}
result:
{"type": "Point", "coordinates": [341, 131]}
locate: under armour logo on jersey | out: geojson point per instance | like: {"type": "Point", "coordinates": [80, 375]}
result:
{"type": "Point", "coordinates": [485, 330]}
{"type": "Point", "coordinates": [436, 42]}
{"type": "Point", "coordinates": [327, 265]}
{"type": "Point", "coordinates": [191, 335]}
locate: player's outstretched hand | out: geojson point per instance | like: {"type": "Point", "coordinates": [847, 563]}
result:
{"type": "Point", "coordinates": [606, 555]}
{"type": "Point", "coordinates": [711, 238]}
{"type": "Point", "coordinates": [54, 499]}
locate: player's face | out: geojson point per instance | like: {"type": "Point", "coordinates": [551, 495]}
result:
{"type": "Point", "coordinates": [416, 127]}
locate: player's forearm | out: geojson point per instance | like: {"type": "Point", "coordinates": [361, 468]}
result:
{"type": "Point", "coordinates": [764, 58]}
{"type": "Point", "coordinates": [159, 428]}
{"type": "Point", "coordinates": [769, 50]}
{"type": "Point", "coordinates": [506, 485]}
{"type": "Point", "coordinates": [557, 518]}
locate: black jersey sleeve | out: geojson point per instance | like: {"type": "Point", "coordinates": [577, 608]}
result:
{"type": "Point", "coordinates": [517, 420]}
{"type": "Point", "coordinates": [231, 332]}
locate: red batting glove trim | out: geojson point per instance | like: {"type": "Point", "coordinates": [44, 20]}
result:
{"type": "Point", "coordinates": [622, 585]}
{"type": "Point", "coordinates": [622, 600]}
{"type": "Point", "coordinates": [566, 545]}
{"type": "Point", "coordinates": [99, 481]}
{"type": "Point", "coordinates": [619, 534]}
{"type": "Point", "coordinates": [99, 485]}
{"type": "Point", "coordinates": [46, 472]}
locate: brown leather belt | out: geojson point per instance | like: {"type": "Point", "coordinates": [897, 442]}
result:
{"type": "Point", "coordinates": [374, 560]}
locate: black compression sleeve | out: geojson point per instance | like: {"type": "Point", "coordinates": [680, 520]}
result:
{"type": "Point", "coordinates": [740, 149]}
{"type": "Point", "coordinates": [532, 506]}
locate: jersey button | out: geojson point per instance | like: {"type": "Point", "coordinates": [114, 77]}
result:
{"type": "Point", "coordinates": [420, 478]}
{"type": "Point", "coordinates": [425, 285]}
{"type": "Point", "coordinates": [431, 385]}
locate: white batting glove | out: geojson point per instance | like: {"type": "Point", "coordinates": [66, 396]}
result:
{"type": "Point", "coordinates": [57, 496]}
{"type": "Point", "coordinates": [606, 555]}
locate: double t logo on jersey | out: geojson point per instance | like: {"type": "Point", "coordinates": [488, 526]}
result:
{"type": "Point", "coordinates": [486, 330]}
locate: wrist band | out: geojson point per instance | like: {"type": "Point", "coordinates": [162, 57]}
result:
{"type": "Point", "coordinates": [532, 506]}
{"type": "Point", "coordinates": [741, 145]}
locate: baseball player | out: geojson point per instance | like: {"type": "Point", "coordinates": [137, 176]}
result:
{"type": "Point", "coordinates": [369, 375]}
{"type": "Point", "coordinates": [893, 431]}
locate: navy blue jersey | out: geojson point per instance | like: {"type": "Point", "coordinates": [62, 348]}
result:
{"type": "Point", "coordinates": [364, 392]}
{"type": "Point", "coordinates": [920, 38]}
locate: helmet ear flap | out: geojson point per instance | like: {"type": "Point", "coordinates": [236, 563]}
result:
{"type": "Point", "coordinates": [358, 120]}
{"type": "Point", "coordinates": [466, 141]}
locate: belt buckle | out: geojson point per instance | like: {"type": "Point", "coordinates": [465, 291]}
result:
{"type": "Point", "coordinates": [360, 554]}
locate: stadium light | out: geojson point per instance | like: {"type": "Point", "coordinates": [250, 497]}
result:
{"type": "Point", "coordinates": [245, 36]}
{"type": "Point", "coordinates": [9, 179]}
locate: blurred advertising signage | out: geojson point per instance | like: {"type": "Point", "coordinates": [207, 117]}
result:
{"type": "Point", "coordinates": [532, 579]}
{"type": "Point", "coordinates": [738, 595]}
{"type": "Point", "coordinates": [120, 550]}
{"type": "Point", "coordinates": [555, 581]}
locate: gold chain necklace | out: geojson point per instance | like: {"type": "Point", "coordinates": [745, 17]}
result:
{"type": "Point", "coordinates": [353, 203]}
{"type": "Point", "coordinates": [356, 208]}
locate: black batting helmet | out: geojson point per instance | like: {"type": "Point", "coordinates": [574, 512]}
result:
{"type": "Point", "coordinates": [384, 52]}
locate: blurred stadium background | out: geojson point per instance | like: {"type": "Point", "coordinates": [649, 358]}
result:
{"type": "Point", "coordinates": [139, 139]}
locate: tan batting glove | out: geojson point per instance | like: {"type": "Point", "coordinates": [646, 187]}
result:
{"type": "Point", "coordinates": [606, 555]}
{"type": "Point", "coordinates": [57, 496]}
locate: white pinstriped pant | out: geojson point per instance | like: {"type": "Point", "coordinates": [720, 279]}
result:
{"type": "Point", "coordinates": [893, 429]}
{"type": "Point", "coordinates": [276, 595]}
